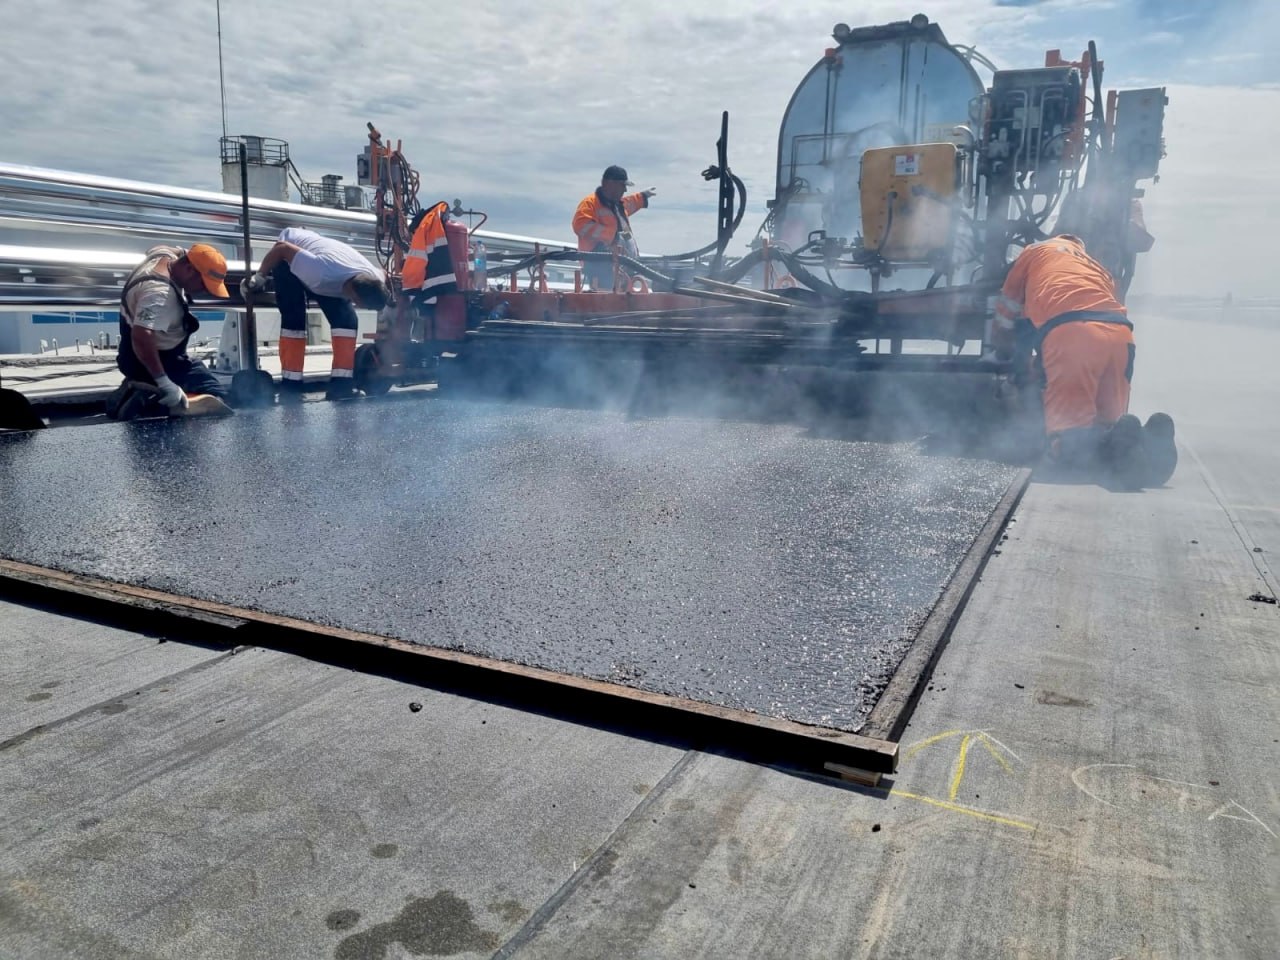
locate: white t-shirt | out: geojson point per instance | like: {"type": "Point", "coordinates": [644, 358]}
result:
{"type": "Point", "coordinates": [153, 304]}
{"type": "Point", "coordinates": [325, 265]}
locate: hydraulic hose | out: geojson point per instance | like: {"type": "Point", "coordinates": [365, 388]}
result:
{"type": "Point", "coordinates": [632, 265]}
{"type": "Point", "coordinates": [827, 291]}
{"type": "Point", "coordinates": [742, 209]}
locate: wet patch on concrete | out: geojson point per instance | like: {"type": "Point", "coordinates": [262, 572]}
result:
{"type": "Point", "coordinates": [758, 566]}
{"type": "Point", "coordinates": [511, 911]}
{"type": "Point", "coordinates": [438, 926]}
{"type": "Point", "coordinates": [1051, 698]}
{"type": "Point", "coordinates": [604, 864]}
{"type": "Point", "coordinates": [342, 919]}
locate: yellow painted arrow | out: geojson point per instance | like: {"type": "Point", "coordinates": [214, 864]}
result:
{"type": "Point", "coordinates": [967, 738]}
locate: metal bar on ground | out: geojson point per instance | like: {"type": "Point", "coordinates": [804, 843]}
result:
{"type": "Point", "coordinates": [731, 298]}
{"type": "Point", "coordinates": [892, 711]}
{"type": "Point", "coordinates": [594, 701]}
{"type": "Point", "coordinates": [761, 295]}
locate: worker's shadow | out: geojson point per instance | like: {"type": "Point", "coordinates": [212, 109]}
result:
{"type": "Point", "coordinates": [1061, 475]}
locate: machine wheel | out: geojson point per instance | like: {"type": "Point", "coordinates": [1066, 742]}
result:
{"type": "Point", "coordinates": [367, 373]}
{"type": "Point", "coordinates": [252, 388]}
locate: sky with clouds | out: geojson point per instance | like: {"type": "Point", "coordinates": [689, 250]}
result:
{"type": "Point", "coordinates": [516, 106]}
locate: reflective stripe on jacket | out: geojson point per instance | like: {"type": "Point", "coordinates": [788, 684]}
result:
{"type": "Point", "coordinates": [1057, 277]}
{"type": "Point", "coordinates": [428, 266]}
{"type": "Point", "coordinates": [596, 221]}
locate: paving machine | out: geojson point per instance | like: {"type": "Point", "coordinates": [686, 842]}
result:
{"type": "Point", "coordinates": [905, 188]}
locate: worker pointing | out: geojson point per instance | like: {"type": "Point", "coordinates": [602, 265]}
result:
{"type": "Point", "coordinates": [602, 224]}
{"type": "Point", "coordinates": [1084, 338]}
{"type": "Point", "coordinates": [304, 265]}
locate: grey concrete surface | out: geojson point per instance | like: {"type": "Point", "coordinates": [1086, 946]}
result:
{"type": "Point", "coordinates": [745, 564]}
{"type": "Point", "coordinates": [1092, 774]}
{"type": "Point", "coordinates": [55, 665]}
{"type": "Point", "coordinates": [270, 807]}
{"type": "Point", "coordinates": [1222, 384]}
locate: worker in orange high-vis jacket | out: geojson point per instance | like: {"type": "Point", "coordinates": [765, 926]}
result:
{"type": "Point", "coordinates": [428, 268]}
{"type": "Point", "coordinates": [1084, 339]}
{"type": "Point", "coordinates": [602, 224]}
{"type": "Point", "coordinates": [304, 265]}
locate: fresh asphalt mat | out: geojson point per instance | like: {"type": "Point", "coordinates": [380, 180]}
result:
{"type": "Point", "coordinates": [751, 565]}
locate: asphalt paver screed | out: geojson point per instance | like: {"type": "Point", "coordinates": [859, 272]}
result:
{"type": "Point", "coordinates": [750, 565]}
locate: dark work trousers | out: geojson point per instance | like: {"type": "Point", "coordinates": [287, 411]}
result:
{"type": "Point", "coordinates": [291, 299]}
{"type": "Point", "coordinates": [598, 274]}
{"type": "Point", "coordinates": [191, 375]}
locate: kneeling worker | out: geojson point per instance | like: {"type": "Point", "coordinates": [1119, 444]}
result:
{"type": "Point", "coordinates": [1085, 341]}
{"type": "Point", "coordinates": [303, 265]}
{"type": "Point", "coordinates": [155, 324]}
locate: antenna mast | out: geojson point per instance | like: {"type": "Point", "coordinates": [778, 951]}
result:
{"type": "Point", "coordinates": [222, 86]}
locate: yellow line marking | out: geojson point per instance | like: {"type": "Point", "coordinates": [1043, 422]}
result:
{"type": "Point", "coordinates": [957, 808]}
{"type": "Point", "coordinates": [955, 781]}
{"type": "Point", "coordinates": [917, 747]}
{"type": "Point", "coordinates": [985, 741]}
{"type": "Point", "coordinates": [1002, 746]}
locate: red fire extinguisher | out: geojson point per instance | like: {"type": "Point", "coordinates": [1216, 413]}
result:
{"type": "Point", "coordinates": [459, 251]}
{"type": "Point", "coordinates": [451, 309]}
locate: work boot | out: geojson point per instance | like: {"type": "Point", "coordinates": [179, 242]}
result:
{"type": "Point", "coordinates": [341, 388]}
{"type": "Point", "coordinates": [291, 391]}
{"type": "Point", "coordinates": [134, 400]}
{"type": "Point", "coordinates": [1072, 455]}
{"type": "Point", "coordinates": [117, 397]}
{"type": "Point", "coordinates": [1162, 452]}
{"type": "Point", "coordinates": [1123, 455]}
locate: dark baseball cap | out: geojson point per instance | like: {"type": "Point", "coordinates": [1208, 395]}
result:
{"type": "Point", "coordinates": [616, 173]}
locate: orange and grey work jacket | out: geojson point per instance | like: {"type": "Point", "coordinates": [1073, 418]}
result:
{"type": "Point", "coordinates": [597, 222]}
{"type": "Point", "coordinates": [428, 268]}
{"type": "Point", "coordinates": [1056, 282]}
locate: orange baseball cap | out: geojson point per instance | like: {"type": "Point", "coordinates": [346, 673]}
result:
{"type": "Point", "coordinates": [212, 266]}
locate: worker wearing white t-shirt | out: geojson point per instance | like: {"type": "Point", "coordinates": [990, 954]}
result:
{"type": "Point", "coordinates": [303, 265]}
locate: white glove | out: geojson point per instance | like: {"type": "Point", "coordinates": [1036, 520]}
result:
{"type": "Point", "coordinates": [648, 193]}
{"type": "Point", "coordinates": [171, 394]}
{"type": "Point", "coordinates": [254, 284]}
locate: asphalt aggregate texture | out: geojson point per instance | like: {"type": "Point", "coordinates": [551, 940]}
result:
{"type": "Point", "coordinates": [755, 565]}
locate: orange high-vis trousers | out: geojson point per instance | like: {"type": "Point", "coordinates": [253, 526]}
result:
{"type": "Point", "coordinates": [344, 352]}
{"type": "Point", "coordinates": [1087, 369]}
{"type": "Point", "coordinates": [293, 353]}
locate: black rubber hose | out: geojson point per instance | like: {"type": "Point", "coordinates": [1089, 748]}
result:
{"type": "Point", "coordinates": [1099, 116]}
{"type": "Point", "coordinates": [828, 291]}
{"type": "Point", "coordinates": [742, 209]}
{"type": "Point", "coordinates": [632, 265]}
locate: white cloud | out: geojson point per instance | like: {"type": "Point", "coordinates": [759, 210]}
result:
{"type": "Point", "coordinates": [1160, 38]}
{"type": "Point", "coordinates": [515, 106]}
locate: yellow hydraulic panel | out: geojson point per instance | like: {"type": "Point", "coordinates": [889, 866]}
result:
{"type": "Point", "coordinates": [908, 193]}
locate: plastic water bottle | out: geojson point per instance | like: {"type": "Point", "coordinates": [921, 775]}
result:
{"type": "Point", "coordinates": [480, 266]}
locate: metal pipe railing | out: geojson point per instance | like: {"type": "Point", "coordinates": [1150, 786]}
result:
{"type": "Point", "coordinates": [69, 238]}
